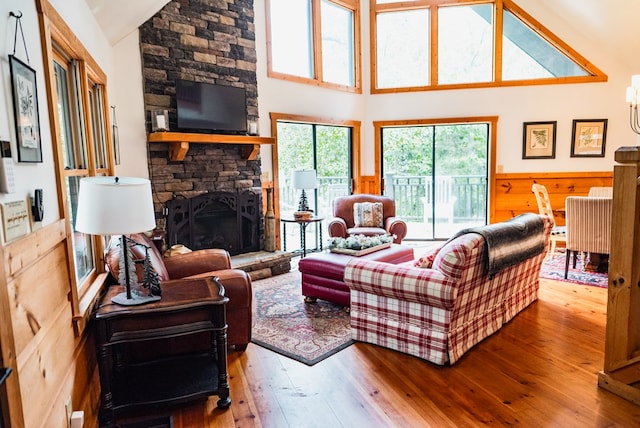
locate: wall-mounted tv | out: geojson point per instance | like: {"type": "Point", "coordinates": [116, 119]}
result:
{"type": "Point", "coordinates": [204, 107]}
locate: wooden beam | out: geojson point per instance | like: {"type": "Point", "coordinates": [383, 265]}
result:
{"type": "Point", "coordinates": [621, 373]}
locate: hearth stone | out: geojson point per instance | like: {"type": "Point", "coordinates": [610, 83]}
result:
{"type": "Point", "coordinates": [262, 264]}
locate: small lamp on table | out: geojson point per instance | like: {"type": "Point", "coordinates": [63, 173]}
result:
{"type": "Point", "coordinates": [303, 180]}
{"type": "Point", "coordinates": [118, 206]}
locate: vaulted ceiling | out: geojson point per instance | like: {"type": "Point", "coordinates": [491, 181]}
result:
{"type": "Point", "coordinates": [610, 25]}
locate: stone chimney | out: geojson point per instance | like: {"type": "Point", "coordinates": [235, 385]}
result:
{"type": "Point", "coordinates": [210, 41]}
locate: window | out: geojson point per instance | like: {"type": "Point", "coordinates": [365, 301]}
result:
{"type": "Point", "coordinates": [465, 56]}
{"type": "Point", "coordinates": [315, 42]}
{"type": "Point", "coordinates": [83, 143]}
{"type": "Point", "coordinates": [440, 44]}
{"type": "Point", "coordinates": [403, 49]}
{"type": "Point", "coordinates": [331, 148]}
{"type": "Point", "coordinates": [526, 55]}
{"type": "Point", "coordinates": [437, 174]}
{"type": "Point", "coordinates": [80, 132]}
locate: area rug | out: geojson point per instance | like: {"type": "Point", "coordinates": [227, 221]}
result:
{"type": "Point", "coordinates": [284, 323]}
{"type": "Point", "coordinates": [553, 268]}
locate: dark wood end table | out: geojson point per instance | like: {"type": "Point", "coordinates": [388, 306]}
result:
{"type": "Point", "coordinates": [303, 232]}
{"type": "Point", "coordinates": [185, 309]}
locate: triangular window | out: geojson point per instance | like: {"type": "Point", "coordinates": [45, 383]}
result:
{"type": "Point", "coordinates": [477, 44]}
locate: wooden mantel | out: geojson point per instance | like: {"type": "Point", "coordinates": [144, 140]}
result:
{"type": "Point", "coordinates": [179, 142]}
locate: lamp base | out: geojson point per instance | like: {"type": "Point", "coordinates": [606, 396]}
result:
{"type": "Point", "coordinates": [135, 299]}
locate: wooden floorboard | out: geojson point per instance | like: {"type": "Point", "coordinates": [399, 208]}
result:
{"type": "Point", "coordinates": [538, 370]}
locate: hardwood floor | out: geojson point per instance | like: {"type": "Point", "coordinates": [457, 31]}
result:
{"type": "Point", "coordinates": [539, 370]}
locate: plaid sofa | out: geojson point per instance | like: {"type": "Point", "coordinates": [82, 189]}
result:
{"type": "Point", "coordinates": [439, 312]}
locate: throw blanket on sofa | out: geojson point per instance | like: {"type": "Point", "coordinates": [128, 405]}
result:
{"type": "Point", "coordinates": [510, 242]}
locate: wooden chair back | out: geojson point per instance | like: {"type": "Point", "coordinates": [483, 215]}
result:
{"type": "Point", "coordinates": [542, 198]}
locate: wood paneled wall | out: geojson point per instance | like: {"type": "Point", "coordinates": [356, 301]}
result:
{"type": "Point", "coordinates": [512, 194]}
{"type": "Point", "coordinates": [50, 362]}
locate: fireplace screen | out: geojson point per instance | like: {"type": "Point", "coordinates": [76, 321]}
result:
{"type": "Point", "coordinates": [226, 220]}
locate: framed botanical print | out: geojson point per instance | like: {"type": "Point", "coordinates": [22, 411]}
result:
{"type": "Point", "coordinates": [25, 111]}
{"type": "Point", "coordinates": [539, 140]}
{"type": "Point", "coordinates": [588, 138]}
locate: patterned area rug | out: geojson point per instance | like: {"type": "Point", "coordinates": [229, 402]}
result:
{"type": "Point", "coordinates": [283, 323]}
{"type": "Point", "coordinates": [553, 268]}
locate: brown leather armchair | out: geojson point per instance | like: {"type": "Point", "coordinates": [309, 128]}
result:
{"type": "Point", "coordinates": [197, 264]}
{"type": "Point", "coordinates": [343, 225]}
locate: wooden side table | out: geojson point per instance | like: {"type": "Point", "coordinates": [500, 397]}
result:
{"type": "Point", "coordinates": [184, 309]}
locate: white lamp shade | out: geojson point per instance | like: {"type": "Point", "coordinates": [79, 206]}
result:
{"type": "Point", "coordinates": [304, 179]}
{"type": "Point", "coordinates": [115, 206]}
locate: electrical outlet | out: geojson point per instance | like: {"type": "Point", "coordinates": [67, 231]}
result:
{"type": "Point", "coordinates": [69, 410]}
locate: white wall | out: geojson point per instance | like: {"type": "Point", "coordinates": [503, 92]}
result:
{"type": "Point", "coordinates": [513, 105]}
{"type": "Point", "coordinates": [30, 176]}
{"type": "Point", "coordinates": [128, 97]}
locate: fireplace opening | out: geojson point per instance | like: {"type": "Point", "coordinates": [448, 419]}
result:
{"type": "Point", "coordinates": [226, 220]}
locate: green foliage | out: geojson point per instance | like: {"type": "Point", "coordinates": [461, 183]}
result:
{"type": "Point", "coordinates": [295, 149]}
{"type": "Point", "coordinates": [459, 149]}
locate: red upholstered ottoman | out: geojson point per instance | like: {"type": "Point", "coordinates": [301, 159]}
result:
{"type": "Point", "coordinates": [322, 273]}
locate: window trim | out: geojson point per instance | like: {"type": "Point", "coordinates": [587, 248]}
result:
{"type": "Point", "coordinates": [594, 73]}
{"type": "Point", "coordinates": [55, 32]}
{"type": "Point", "coordinates": [491, 152]}
{"type": "Point", "coordinates": [356, 137]}
{"type": "Point", "coordinates": [316, 36]}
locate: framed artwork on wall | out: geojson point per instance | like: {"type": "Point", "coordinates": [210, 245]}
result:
{"type": "Point", "coordinates": [25, 111]}
{"type": "Point", "coordinates": [588, 138]}
{"type": "Point", "coordinates": [539, 140]}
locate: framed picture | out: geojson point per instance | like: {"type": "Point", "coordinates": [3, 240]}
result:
{"type": "Point", "coordinates": [588, 138]}
{"type": "Point", "coordinates": [539, 140]}
{"type": "Point", "coordinates": [25, 111]}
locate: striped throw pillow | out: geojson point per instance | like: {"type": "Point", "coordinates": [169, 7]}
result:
{"type": "Point", "coordinates": [367, 214]}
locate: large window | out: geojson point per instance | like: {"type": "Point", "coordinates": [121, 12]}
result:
{"type": "Point", "coordinates": [328, 147]}
{"type": "Point", "coordinates": [442, 44]}
{"type": "Point", "coordinates": [80, 135]}
{"type": "Point", "coordinates": [403, 49]}
{"type": "Point", "coordinates": [314, 41]}
{"type": "Point", "coordinates": [82, 139]}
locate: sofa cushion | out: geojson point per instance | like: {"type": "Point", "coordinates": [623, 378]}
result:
{"type": "Point", "coordinates": [451, 258]}
{"type": "Point", "coordinates": [368, 214]}
{"type": "Point", "coordinates": [426, 260]}
{"type": "Point", "coordinates": [112, 256]}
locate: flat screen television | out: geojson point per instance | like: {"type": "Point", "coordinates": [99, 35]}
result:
{"type": "Point", "coordinates": [204, 107]}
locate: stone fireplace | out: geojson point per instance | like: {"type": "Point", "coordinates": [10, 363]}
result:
{"type": "Point", "coordinates": [227, 220]}
{"type": "Point", "coordinates": [213, 42]}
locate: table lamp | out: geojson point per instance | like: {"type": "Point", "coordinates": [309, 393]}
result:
{"type": "Point", "coordinates": [303, 180]}
{"type": "Point", "coordinates": [118, 206]}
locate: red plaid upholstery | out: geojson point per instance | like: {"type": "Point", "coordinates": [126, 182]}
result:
{"type": "Point", "coordinates": [440, 313]}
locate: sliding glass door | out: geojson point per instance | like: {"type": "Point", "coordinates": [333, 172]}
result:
{"type": "Point", "coordinates": [308, 146]}
{"type": "Point", "coordinates": [437, 175]}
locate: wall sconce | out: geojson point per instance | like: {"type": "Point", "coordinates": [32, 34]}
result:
{"type": "Point", "coordinates": [633, 96]}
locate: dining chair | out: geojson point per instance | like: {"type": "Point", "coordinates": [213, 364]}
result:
{"type": "Point", "coordinates": [588, 228]}
{"type": "Point", "coordinates": [558, 233]}
{"type": "Point", "coordinates": [601, 192]}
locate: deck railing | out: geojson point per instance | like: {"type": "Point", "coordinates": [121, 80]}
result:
{"type": "Point", "coordinates": [411, 193]}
